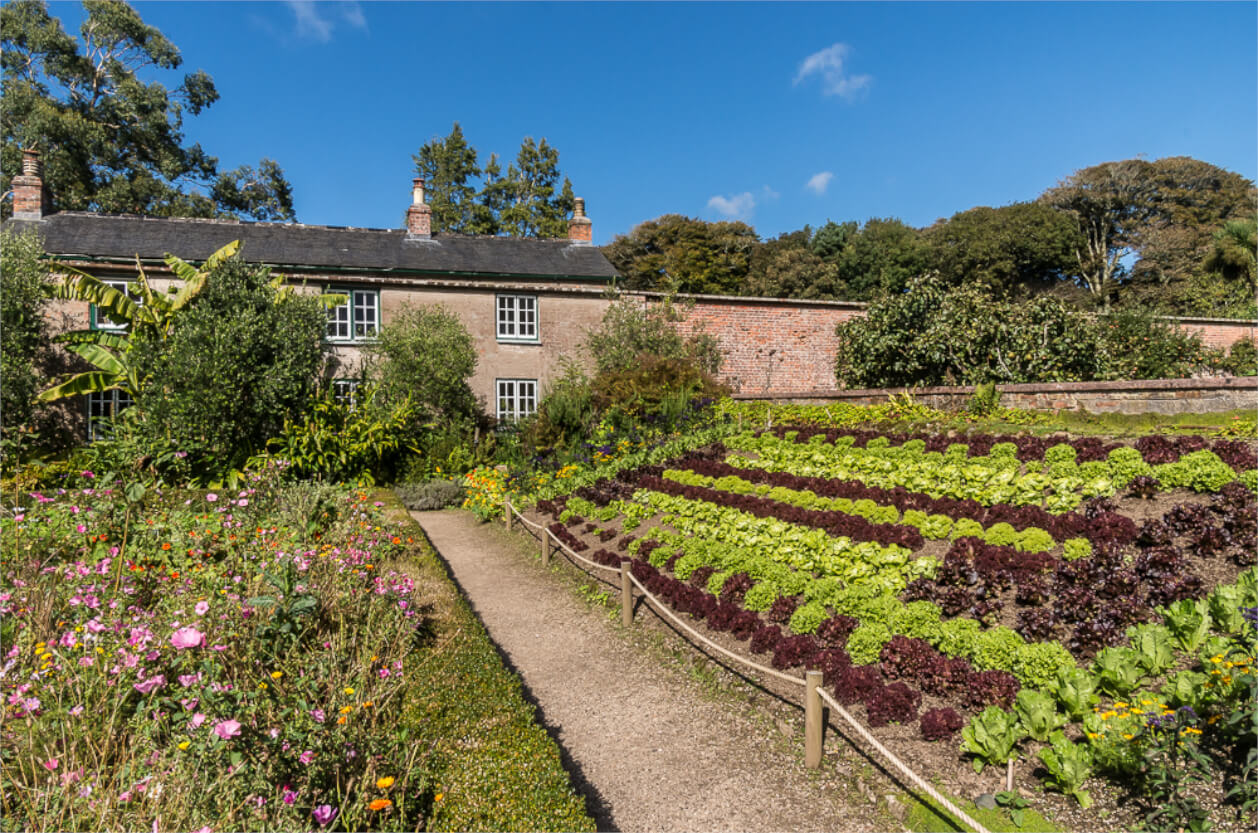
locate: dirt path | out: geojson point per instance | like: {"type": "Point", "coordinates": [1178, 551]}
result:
{"type": "Point", "coordinates": [648, 746]}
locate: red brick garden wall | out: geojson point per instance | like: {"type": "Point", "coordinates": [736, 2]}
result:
{"type": "Point", "coordinates": [781, 348]}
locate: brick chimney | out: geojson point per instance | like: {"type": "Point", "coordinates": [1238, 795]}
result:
{"type": "Point", "coordinates": [30, 198]}
{"type": "Point", "coordinates": [419, 215]}
{"type": "Point", "coordinates": [580, 230]}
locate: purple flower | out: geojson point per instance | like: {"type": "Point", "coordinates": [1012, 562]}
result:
{"type": "Point", "coordinates": [323, 814]}
{"type": "Point", "coordinates": [318, 715]}
{"type": "Point", "coordinates": [227, 729]}
{"type": "Point", "coordinates": [150, 684]}
{"type": "Point", "coordinates": [187, 637]}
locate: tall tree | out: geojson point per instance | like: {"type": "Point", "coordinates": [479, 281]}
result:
{"type": "Point", "coordinates": [684, 254]}
{"type": "Point", "coordinates": [110, 141]}
{"type": "Point", "coordinates": [882, 257]}
{"type": "Point", "coordinates": [1159, 216]}
{"type": "Point", "coordinates": [533, 208]}
{"type": "Point", "coordinates": [449, 169]}
{"type": "Point", "coordinates": [788, 266]}
{"type": "Point", "coordinates": [1014, 248]}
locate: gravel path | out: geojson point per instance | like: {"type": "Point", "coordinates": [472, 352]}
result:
{"type": "Point", "coordinates": [647, 745]}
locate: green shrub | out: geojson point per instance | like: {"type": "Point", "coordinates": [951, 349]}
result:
{"type": "Point", "coordinates": [434, 494]}
{"type": "Point", "coordinates": [1139, 345]}
{"type": "Point", "coordinates": [1201, 471]}
{"type": "Point", "coordinates": [23, 327]}
{"type": "Point", "coordinates": [425, 353]}
{"type": "Point", "coordinates": [240, 359]}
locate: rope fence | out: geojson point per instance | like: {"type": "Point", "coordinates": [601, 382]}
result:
{"type": "Point", "coordinates": [814, 694]}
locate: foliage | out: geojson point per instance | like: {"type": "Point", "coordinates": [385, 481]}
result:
{"type": "Point", "coordinates": [111, 140]}
{"type": "Point", "coordinates": [151, 316]}
{"type": "Point", "coordinates": [240, 359]}
{"type": "Point", "coordinates": [630, 329]}
{"type": "Point", "coordinates": [1038, 714]}
{"type": "Point", "coordinates": [25, 288]}
{"type": "Point", "coordinates": [526, 201]}
{"type": "Point", "coordinates": [673, 253]}
{"type": "Point", "coordinates": [344, 442]}
{"type": "Point", "coordinates": [1069, 765]}
{"type": "Point", "coordinates": [991, 737]}
{"type": "Point", "coordinates": [1173, 762]}
{"type": "Point", "coordinates": [1137, 345]}
{"type": "Point", "coordinates": [1014, 249]}
{"type": "Point", "coordinates": [426, 354]}
{"type": "Point", "coordinates": [933, 335]}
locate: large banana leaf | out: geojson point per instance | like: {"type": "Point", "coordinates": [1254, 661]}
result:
{"type": "Point", "coordinates": [80, 286]}
{"type": "Point", "coordinates": [100, 357]}
{"type": "Point", "coordinates": [104, 338]}
{"type": "Point", "coordinates": [93, 381]}
{"type": "Point", "coordinates": [193, 278]}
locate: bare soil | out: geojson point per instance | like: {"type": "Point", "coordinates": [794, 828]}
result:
{"type": "Point", "coordinates": [655, 737]}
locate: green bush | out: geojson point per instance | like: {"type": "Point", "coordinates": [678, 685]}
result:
{"type": "Point", "coordinates": [426, 353]}
{"type": "Point", "coordinates": [240, 359]}
{"type": "Point", "coordinates": [25, 291]}
{"type": "Point", "coordinates": [631, 328]}
{"type": "Point", "coordinates": [1138, 345]}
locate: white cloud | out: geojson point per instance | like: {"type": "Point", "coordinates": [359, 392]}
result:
{"type": "Point", "coordinates": [317, 21]}
{"type": "Point", "coordinates": [736, 207]}
{"type": "Point", "coordinates": [819, 182]}
{"type": "Point", "coordinates": [768, 193]}
{"type": "Point", "coordinates": [828, 64]}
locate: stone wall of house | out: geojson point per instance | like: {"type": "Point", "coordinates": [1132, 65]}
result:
{"type": "Point", "coordinates": [1158, 396]}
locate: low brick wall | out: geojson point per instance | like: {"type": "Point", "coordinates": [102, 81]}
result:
{"type": "Point", "coordinates": [1157, 396]}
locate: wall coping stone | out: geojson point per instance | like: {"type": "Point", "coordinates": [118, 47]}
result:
{"type": "Point", "coordinates": [1210, 383]}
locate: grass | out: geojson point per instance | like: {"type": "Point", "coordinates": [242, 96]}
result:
{"type": "Point", "coordinates": [925, 816]}
{"type": "Point", "coordinates": [493, 765]}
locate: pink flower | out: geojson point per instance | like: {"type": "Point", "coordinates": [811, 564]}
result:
{"type": "Point", "coordinates": [227, 729]}
{"type": "Point", "coordinates": [202, 608]}
{"type": "Point", "coordinates": [147, 686]}
{"type": "Point", "coordinates": [197, 720]}
{"type": "Point", "coordinates": [318, 715]}
{"type": "Point", "coordinates": [323, 814]}
{"type": "Point", "coordinates": [186, 680]}
{"type": "Point", "coordinates": [306, 757]}
{"type": "Point", "coordinates": [211, 497]}
{"type": "Point", "coordinates": [187, 637]}
{"type": "Point", "coordinates": [51, 764]}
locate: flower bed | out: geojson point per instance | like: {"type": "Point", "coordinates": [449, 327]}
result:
{"type": "Point", "coordinates": [234, 661]}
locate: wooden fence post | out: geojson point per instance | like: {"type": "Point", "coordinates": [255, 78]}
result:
{"type": "Point", "coordinates": [626, 596]}
{"type": "Point", "coordinates": [545, 547]}
{"type": "Point", "coordinates": [812, 720]}
{"type": "Point", "coordinates": [506, 507]}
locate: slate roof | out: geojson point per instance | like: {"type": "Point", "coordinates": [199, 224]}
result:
{"type": "Point", "coordinates": [294, 245]}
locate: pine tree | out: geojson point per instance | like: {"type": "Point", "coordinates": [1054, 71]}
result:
{"type": "Point", "coordinates": [449, 169]}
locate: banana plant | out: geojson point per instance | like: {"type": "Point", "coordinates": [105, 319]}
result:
{"type": "Point", "coordinates": [108, 351]}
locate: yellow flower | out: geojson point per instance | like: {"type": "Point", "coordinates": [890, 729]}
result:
{"type": "Point", "coordinates": [263, 686]}
{"type": "Point", "coordinates": [349, 690]}
{"type": "Point", "coordinates": [275, 675]}
{"type": "Point", "coordinates": [438, 796]}
{"type": "Point", "coordinates": [346, 709]}
{"type": "Point", "coordinates": [1128, 735]}
{"type": "Point", "coordinates": [384, 783]}
{"type": "Point", "coordinates": [185, 744]}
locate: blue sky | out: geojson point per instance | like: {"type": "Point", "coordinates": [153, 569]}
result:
{"type": "Point", "coordinates": [776, 114]}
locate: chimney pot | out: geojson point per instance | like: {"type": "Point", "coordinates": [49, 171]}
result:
{"type": "Point", "coordinates": [580, 229]}
{"type": "Point", "coordinates": [30, 198]}
{"type": "Point", "coordinates": [419, 215]}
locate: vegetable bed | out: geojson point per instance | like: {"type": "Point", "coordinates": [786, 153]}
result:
{"type": "Point", "coordinates": [1081, 606]}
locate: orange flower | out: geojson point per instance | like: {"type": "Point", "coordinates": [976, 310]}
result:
{"type": "Point", "coordinates": [384, 783]}
{"type": "Point", "coordinates": [166, 545]}
{"type": "Point", "coordinates": [380, 804]}
{"type": "Point", "coordinates": [397, 540]}
{"type": "Point", "coordinates": [341, 720]}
